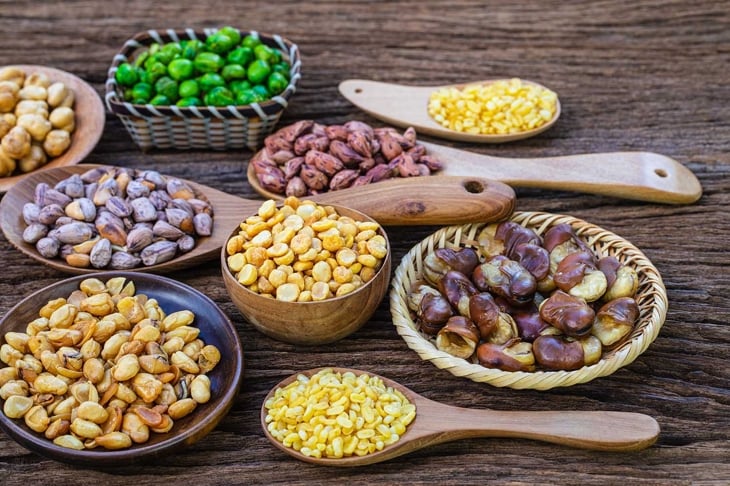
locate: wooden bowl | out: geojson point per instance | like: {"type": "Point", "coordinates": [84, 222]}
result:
{"type": "Point", "coordinates": [651, 298]}
{"type": "Point", "coordinates": [311, 323]}
{"type": "Point", "coordinates": [90, 117]}
{"type": "Point", "coordinates": [215, 328]}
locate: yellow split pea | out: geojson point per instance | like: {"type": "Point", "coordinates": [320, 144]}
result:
{"type": "Point", "coordinates": [498, 108]}
{"type": "Point", "coordinates": [335, 415]}
{"type": "Point", "coordinates": [303, 252]}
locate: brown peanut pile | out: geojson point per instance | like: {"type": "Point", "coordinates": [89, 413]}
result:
{"type": "Point", "coordinates": [36, 120]}
{"type": "Point", "coordinates": [308, 158]}
{"type": "Point", "coordinates": [105, 368]}
{"type": "Point", "coordinates": [303, 252]}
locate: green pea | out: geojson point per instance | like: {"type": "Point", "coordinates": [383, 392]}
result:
{"type": "Point", "coordinates": [219, 43]}
{"type": "Point", "coordinates": [219, 96]}
{"type": "Point", "coordinates": [263, 52]}
{"type": "Point", "coordinates": [276, 56]}
{"type": "Point", "coordinates": [246, 97]}
{"type": "Point", "coordinates": [155, 72]}
{"type": "Point", "coordinates": [150, 61]}
{"type": "Point", "coordinates": [208, 62]}
{"type": "Point", "coordinates": [262, 91]}
{"type": "Point", "coordinates": [189, 101]}
{"type": "Point", "coordinates": [141, 93]}
{"type": "Point", "coordinates": [188, 88]}
{"type": "Point", "coordinates": [127, 94]}
{"type": "Point", "coordinates": [258, 71]}
{"type": "Point", "coordinates": [154, 48]}
{"type": "Point", "coordinates": [239, 85]}
{"type": "Point", "coordinates": [191, 48]}
{"type": "Point", "coordinates": [283, 68]}
{"type": "Point", "coordinates": [251, 41]}
{"type": "Point", "coordinates": [160, 100]}
{"type": "Point", "coordinates": [277, 83]}
{"type": "Point", "coordinates": [143, 56]}
{"type": "Point", "coordinates": [167, 87]}
{"type": "Point", "coordinates": [126, 74]}
{"type": "Point", "coordinates": [233, 71]}
{"type": "Point", "coordinates": [208, 81]}
{"type": "Point", "coordinates": [169, 52]}
{"type": "Point", "coordinates": [180, 69]}
{"type": "Point", "coordinates": [231, 32]}
{"type": "Point", "coordinates": [240, 55]}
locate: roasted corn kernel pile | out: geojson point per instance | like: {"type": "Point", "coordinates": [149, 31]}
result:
{"type": "Point", "coordinates": [304, 252]}
{"type": "Point", "coordinates": [335, 415]}
{"type": "Point", "coordinates": [499, 108]}
{"type": "Point", "coordinates": [105, 368]}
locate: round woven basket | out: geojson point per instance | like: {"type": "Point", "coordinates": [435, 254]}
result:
{"type": "Point", "coordinates": [651, 298]}
{"type": "Point", "coordinates": [206, 127]}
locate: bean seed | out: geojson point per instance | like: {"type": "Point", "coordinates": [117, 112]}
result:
{"type": "Point", "coordinates": [69, 441]}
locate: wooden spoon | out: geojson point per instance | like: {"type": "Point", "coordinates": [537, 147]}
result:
{"type": "Point", "coordinates": [429, 201]}
{"type": "Point", "coordinates": [436, 423]}
{"type": "Point", "coordinates": [90, 116]}
{"type": "Point", "coordinates": [642, 176]}
{"type": "Point", "coordinates": [406, 106]}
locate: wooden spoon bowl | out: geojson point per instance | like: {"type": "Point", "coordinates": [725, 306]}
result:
{"type": "Point", "coordinates": [311, 323]}
{"type": "Point", "coordinates": [215, 328]}
{"type": "Point", "coordinates": [441, 200]}
{"type": "Point", "coordinates": [406, 106]}
{"type": "Point", "coordinates": [436, 423]}
{"type": "Point", "coordinates": [90, 116]}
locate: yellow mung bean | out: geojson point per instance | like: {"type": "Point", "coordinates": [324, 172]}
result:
{"type": "Point", "coordinates": [335, 415]}
{"type": "Point", "coordinates": [499, 108]}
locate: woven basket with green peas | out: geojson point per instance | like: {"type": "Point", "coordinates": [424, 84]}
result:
{"type": "Point", "coordinates": [218, 89]}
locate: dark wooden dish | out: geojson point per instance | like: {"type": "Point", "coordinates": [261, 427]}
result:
{"type": "Point", "coordinates": [215, 328]}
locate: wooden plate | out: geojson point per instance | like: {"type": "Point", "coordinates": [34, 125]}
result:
{"type": "Point", "coordinates": [215, 328]}
{"type": "Point", "coordinates": [90, 117]}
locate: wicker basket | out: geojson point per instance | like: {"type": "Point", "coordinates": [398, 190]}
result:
{"type": "Point", "coordinates": [210, 127]}
{"type": "Point", "coordinates": [651, 297]}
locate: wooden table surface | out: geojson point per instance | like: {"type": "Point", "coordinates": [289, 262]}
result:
{"type": "Point", "coordinates": [647, 75]}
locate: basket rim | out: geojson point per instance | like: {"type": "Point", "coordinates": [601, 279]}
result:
{"type": "Point", "coordinates": [652, 299]}
{"type": "Point", "coordinates": [268, 109]}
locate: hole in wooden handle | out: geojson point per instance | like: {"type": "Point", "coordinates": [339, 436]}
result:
{"type": "Point", "coordinates": [474, 187]}
{"type": "Point", "coordinates": [661, 172]}
{"type": "Point", "coordinates": [358, 90]}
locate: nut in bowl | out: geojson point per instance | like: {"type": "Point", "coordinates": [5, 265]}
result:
{"type": "Point", "coordinates": [48, 118]}
{"type": "Point", "coordinates": [217, 88]}
{"type": "Point", "coordinates": [306, 274]}
{"type": "Point", "coordinates": [525, 345]}
{"type": "Point", "coordinates": [167, 372]}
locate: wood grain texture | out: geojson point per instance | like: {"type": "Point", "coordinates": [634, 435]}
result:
{"type": "Point", "coordinates": [644, 75]}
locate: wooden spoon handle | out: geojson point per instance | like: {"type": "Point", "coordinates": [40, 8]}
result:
{"type": "Point", "coordinates": [434, 200]}
{"type": "Point", "coordinates": [607, 431]}
{"type": "Point", "coordinates": [643, 176]}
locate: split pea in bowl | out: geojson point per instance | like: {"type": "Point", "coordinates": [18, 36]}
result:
{"type": "Point", "coordinates": [306, 274]}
